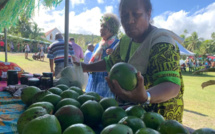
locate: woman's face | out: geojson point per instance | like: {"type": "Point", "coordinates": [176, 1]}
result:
{"type": "Point", "coordinates": [134, 18]}
{"type": "Point", "coordinates": [105, 32]}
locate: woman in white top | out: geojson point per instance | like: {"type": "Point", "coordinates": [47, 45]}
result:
{"type": "Point", "coordinates": [27, 50]}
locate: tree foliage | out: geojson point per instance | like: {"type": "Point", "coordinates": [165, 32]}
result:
{"type": "Point", "coordinates": [27, 29]}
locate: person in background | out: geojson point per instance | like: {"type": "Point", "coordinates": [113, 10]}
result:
{"type": "Point", "coordinates": [213, 64]}
{"type": "Point", "coordinates": [27, 50]}
{"type": "Point", "coordinates": [187, 62]}
{"type": "Point", "coordinates": [108, 31]}
{"type": "Point", "coordinates": [207, 64]}
{"type": "Point", "coordinates": [77, 50]}
{"type": "Point", "coordinates": [2, 44]}
{"type": "Point", "coordinates": [183, 67]}
{"type": "Point", "coordinates": [154, 53]}
{"type": "Point", "coordinates": [88, 53]}
{"type": "Point", "coordinates": [46, 48]}
{"type": "Point", "coordinates": [56, 54]}
{"type": "Point", "coordinates": [41, 52]}
{"type": "Point", "coordinates": [11, 47]}
{"type": "Point", "coordinates": [18, 47]}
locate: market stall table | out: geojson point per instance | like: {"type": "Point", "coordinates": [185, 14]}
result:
{"type": "Point", "coordinates": [10, 110]}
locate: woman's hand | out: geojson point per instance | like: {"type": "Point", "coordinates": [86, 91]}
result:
{"type": "Point", "coordinates": [137, 95]}
{"type": "Point", "coordinates": [109, 51]}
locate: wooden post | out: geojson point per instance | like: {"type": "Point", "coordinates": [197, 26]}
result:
{"type": "Point", "coordinates": [66, 33]}
{"type": "Point", "coordinates": [5, 43]}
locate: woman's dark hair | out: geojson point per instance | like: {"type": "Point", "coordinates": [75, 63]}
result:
{"type": "Point", "coordinates": [147, 5]}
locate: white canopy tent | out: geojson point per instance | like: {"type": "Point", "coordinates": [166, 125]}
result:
{"type": "Point", "coordinates": [184, 51]}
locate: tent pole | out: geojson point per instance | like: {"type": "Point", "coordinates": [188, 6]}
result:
{"type": "Point", "coordinates": [5, 43]}
{"type": "Point", "coordinates": [66, 33]}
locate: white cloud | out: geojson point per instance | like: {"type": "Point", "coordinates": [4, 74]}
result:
{"type": "Point", "coordinates": [100, 1]}
{"type": "Point", "coordinates": [77, 2]}
{"type": "Point", "coordinates": [49, 19]}
{"type": "Point", "coordinates": [87, 22]}
{"type": "Point", "coordinates": [201, 21]}
{"type": "Point", "coordinates": [109, 9]}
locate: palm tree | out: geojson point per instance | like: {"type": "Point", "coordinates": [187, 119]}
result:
{"type": "Point", "coordinates": [193, 42]}
{"type": "Point", "coordinates": [36, 32]}
{"type": "Point", "coordinates": [184, 37]}
{"type": "Point", "coordinates": [207, 47]}
{"type": "Point", "coordinates": [213, 36]}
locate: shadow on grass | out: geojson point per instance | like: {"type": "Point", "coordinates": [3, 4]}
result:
{"type": "Point", "coordinates": [41, 61]}
{"type": "Point", "coordinates": [44, 61]}
{"type": "Point", "coordinates": [195, 112]}
{"type": "Point", "coordinates": [29, 59]}
{"type": "Point", "coordinates": [198, 75]}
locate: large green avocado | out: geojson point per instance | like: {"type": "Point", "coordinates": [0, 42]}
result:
{"type": "Point", "coordinates": [117, 129]}
{"type": "Point", "coordinates": [133, 122]}
{"type": "Point", "coordinates": [92, 111]}
{"type": "Point", "coordinates": [96, 95]}
{"type": "Point", "coordinates": [112, 115]}
{"type": "Point", "coordinates": [108, 102]}
{"type": "Point", "coordinates": [69, 115]}
{"type": "Point", "coordinates": [125, 74]}
{"type": "Point", "coordinates": [204, 131]}
{"type": "Point", "coordinates": [47, 124]}
{"type": "Point", "coordinates": [147, 131]}
{"type": "Point", "coordinates": [52, 98]}
{"type": "Point", "coordinates": [77, 89]}
{"type": "Point", "coordinates": [135, 110]}
{"type": "Point", "coordinates": [55, 90]}
{"type": "Point", "coordinates": [83, 98]}
{"type": "Point", "coordinates": [28, 94]}
{"type": "Point", "coordinates": [47, 105]}
{"type": "Point", "coordinates": [79, 128]}
{"type": "Point", "coordinates": [172, 127]}
{"type": "Point", "coordinates": [152, 120]}
{"type": "Point", "coordinates": [69, 94]}
{"type": "Point", "coordinates": [63, 87]}
{"type": "Point", "coordinates": [38, 96]}
{"type": "Point", "coordinates": [67, 101]}
{"type": "Point", "coordinates": [29, 115]}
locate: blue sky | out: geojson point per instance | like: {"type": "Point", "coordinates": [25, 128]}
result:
{"type": "Point", "coordinates": [175, 15]}
{"type": "Point", "coordinates": [161, 6]}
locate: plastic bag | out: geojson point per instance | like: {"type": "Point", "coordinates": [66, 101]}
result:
{"type": "Point", "coordinates": [72, 76]}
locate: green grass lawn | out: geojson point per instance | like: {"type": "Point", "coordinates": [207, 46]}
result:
{"type": "Point", "coordinates": [199, 103]}
{"type": "Point", "coordinates": [29, 65]}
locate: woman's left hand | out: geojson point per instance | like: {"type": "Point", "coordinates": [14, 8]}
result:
{"type": "Point", "coordinates": [137, 95]}
{"type": "Point", "coordinates": [109, 51]}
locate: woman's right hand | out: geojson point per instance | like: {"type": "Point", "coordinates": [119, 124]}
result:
{"type": "Point", "coordinates": [109, 51]}
{"type": "Point", "coordinates": [137, 95]}
{"type": "Point", "coordinates": [84, 66]}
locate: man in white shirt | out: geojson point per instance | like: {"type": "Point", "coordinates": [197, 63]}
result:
{"type": "Point", "coordinates": [88, 53]}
